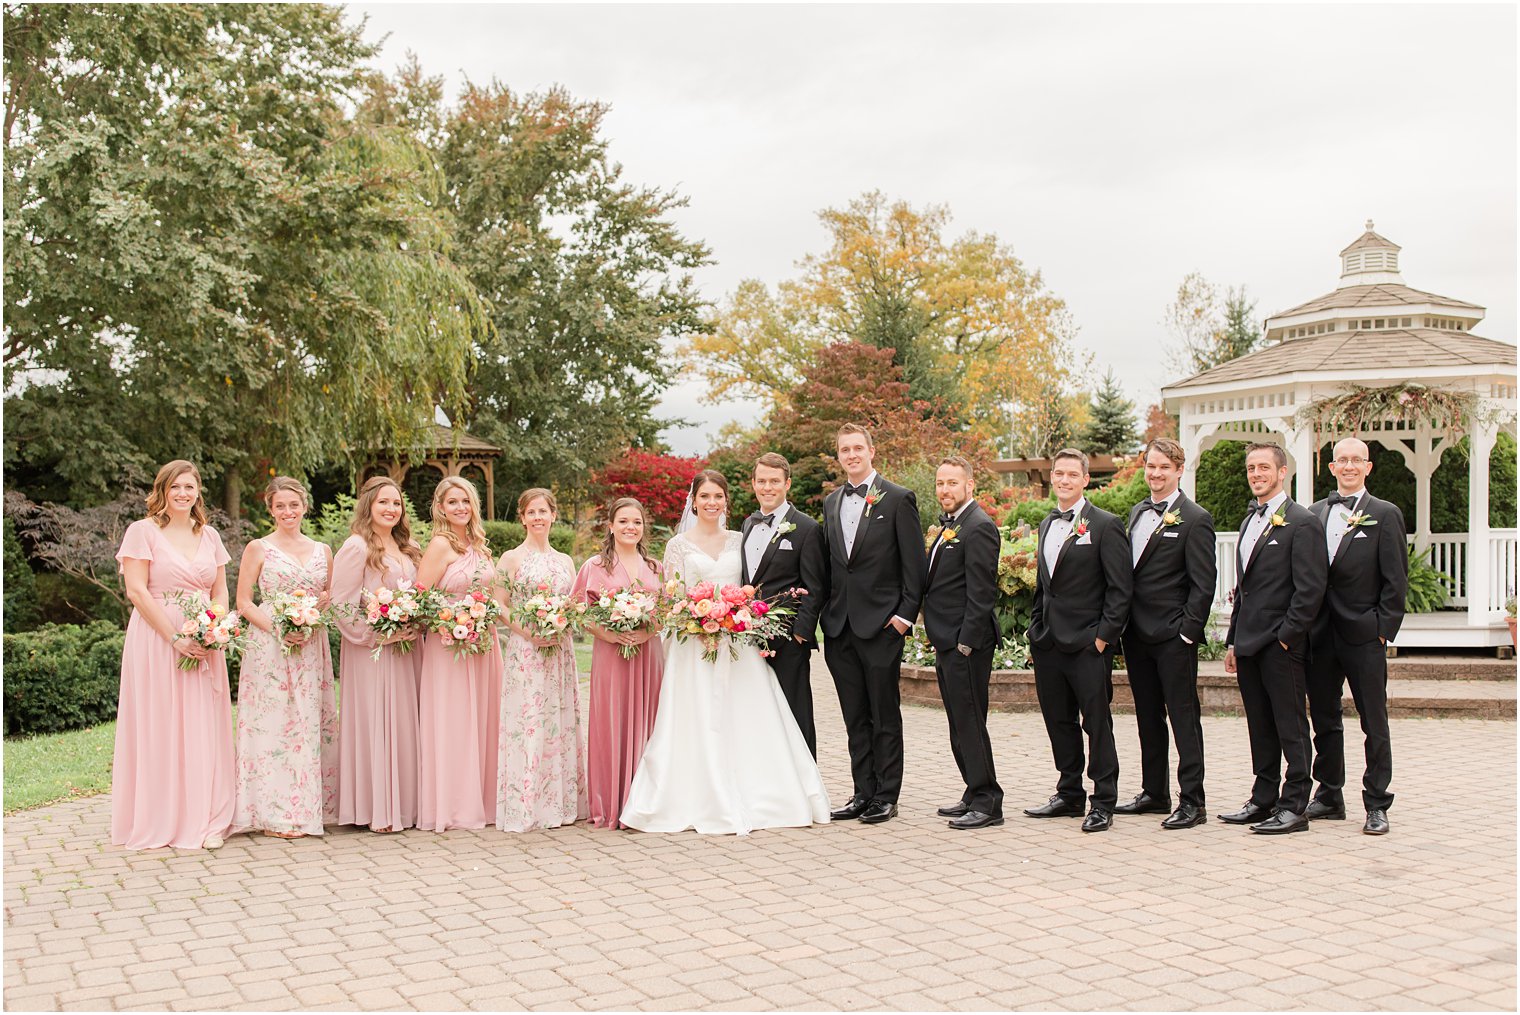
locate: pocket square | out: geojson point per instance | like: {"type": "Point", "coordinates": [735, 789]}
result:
{"type": "Point", "coordinates": [786, 544]}
{"type": "Point", "coordinates": [1085, 540]}
{"type": "Point", "coordinates": [1360, 535]}
{"type": "Point", "coordinates": [1170, 535]}
{"type": "Point", "coordinates": [1271, 542]}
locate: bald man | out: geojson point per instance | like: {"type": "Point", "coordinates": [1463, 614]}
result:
{"type": "Point", "coordinates": [1363, 608]}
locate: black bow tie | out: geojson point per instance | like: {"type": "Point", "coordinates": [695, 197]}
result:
{"type": "Point", "coordinates": [1254, 508]}
{"type": "Point", "coordinates": [945, 520]}
{"type": "Point", "coordinates": [1066, 515]}
{"type": "Point", "coordinates": [855, 491]}
{"type": "Point", "coordinates": [1339, 498]}
{"type": "Point", "coordinates": [1150, 505]}
{"type": "Point", "coordinates": [763, 519]}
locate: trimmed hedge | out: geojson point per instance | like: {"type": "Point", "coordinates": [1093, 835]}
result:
{"type": "Point", "coordinates": [503, 536]}
{"type": "Point", "coordinates": [62, 677]}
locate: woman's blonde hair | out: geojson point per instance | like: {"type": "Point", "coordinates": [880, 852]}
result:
{"type": "Point", "coordinates": [363, 524]}
{"type": "Point", "coordinates": [534, 493]}
{"type": "Point", "coordinates": [286, 484]}
{"type": "Point", "coordinates": [158, 497]}
{"type": "Point", "coordinates": [441, 526]}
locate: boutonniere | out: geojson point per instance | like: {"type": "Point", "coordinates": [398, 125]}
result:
{"type": "Point", "coordinates": [782, 530]}
{"type": "Point", "coordinates": [872, 496]}
{"type": "Point", "coordinates": [1359, 520]}
{"type": "Point", "coordinates": [1078, 527]}
{"type": "Point", "coordinates": [1278, 521]}
{"type": "Point", "coordinates": [1170, 519]}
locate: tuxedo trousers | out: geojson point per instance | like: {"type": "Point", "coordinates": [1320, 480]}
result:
{"type": "Point", "coordinates": [963, 686]}
{"type": "Point", "coordinates": [1163, 676]}
{"type": "Point", "coordinates": [1333, 662]}
{"type": "Point", "coordinates": [866, 673]}
{"type": "Point", "coordinates": [1272, 691]}
{"type": "Point", "coordinates": [1076, 692]}
{"type": "Point", "coordinates": [792, 665]}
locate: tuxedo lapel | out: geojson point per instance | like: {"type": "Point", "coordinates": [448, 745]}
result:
{"type": "Point", "coordinates": [1264, 538]}
{"type": "Point", "coordinates": [749, 523]}
{"type": "Point", "coordinates": [835, 523]}
{"type": "Point", "coordinates": [1039, 549]}
{"type": "Point", "coordinates": [770, 548]}
{"type": "Point", "coordinates": [1156, 537]}
{"type": "Point", "coordinates": [1071, 537]}
{"type": "Point", "coordinates": [1240, 562]}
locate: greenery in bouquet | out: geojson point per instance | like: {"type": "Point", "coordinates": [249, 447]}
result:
{"type": "Point", "coordinates": [547, 616]}
{"type": "Point", "coordinates": [624, 611]}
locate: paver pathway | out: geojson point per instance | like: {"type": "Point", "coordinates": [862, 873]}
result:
{"type": "Point", "coordinates": [907, 915]}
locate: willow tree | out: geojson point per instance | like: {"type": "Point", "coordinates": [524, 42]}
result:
{"type": "Point", "coordinates": [205, 257]}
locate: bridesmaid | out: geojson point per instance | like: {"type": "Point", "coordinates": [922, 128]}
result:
{"type": "Point", "coordinates": [624, 692]}
{"type": "Point", "coordinates": [172, 781]}
{"type": "Point", "coordinates": [459, 694]}
{"type": "Point", "coordinates": [377, 726]}
{"type": "Point", "coordinates": [540, 769]}
{"type": "Point", "coordinates": [287, 718]}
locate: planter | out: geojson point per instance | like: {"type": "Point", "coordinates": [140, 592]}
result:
{"type": "Point", "coordinates": [1511, 622]}
{"type": "Point", "coordinates": [1013, 690]}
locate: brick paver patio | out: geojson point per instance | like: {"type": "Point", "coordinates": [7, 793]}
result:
{"type": "Point", "coordinates": [908, 915]}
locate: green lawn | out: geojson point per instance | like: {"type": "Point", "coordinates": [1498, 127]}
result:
{"type": "Point", "coordinates": [57, 766]}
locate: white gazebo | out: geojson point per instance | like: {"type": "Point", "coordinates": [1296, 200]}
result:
{"type": "Point", "coordinates": [1375, 332]}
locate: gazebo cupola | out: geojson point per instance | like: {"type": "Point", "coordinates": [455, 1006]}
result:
{"type": "Point", "coordinates": [1369, 260]}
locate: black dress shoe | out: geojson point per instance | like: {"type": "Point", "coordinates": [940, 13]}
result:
{"type": "Point", "coordinates": [1097, 821]}
{"type": "Point", "coordinates": [1325, 812]}
{"type": "Point", "coordinates": [1144, 804]}
{"type": "Point", "coordinates": [1247, 815]}
{"type": "Point", "coordinates": [1377, 822]}
{"type": "Point", "coordinates": [879, 811]}
{"type": "Point", "coordinates": [1055, 807]}
{"type": "Point", "coordinates": [976, 819]}
{"type": "Point", "coordinates": [852, 810]}
{"type": "Point", "coordinates": [1186, 816]}
{"type": "Point", "coordinates": [1282, 822]}
{"type": "Point", "coordinates": [955, 810]}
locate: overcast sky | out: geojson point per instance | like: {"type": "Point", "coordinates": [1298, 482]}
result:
{"type": "Point", "coordinates": [1115, 148]}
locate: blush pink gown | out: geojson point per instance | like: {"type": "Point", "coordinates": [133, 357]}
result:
{"type": "Point", "coordinates": [377, 725]}
{"type": "Point", "coordinates": [624, 695]}
{"type": "Point", "coordinates": [287, 717]}
{"type": "Point", "coordinates": [172, 773]}
{"type": "Point", "coordinates": [458, 717]}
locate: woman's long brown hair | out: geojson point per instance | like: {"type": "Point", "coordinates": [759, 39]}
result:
{"type": "Point", "coordinates": [608, 552]}
{"type": "Point", "coordinates": [363, 525]}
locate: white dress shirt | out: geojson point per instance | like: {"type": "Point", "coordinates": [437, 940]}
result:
{"type": "Point", "coordinates": [1258, 524]}
{"type": "Point", "coordinates": [1055, 536]}
{"type": "Point", "coordinates": [934, 552]}
{"type": "Point", "coordinates": [850, 511]}
{"type": "Point", "coordinates": [1146, 526]}
{"type": "Point", "coordinates": [760, 536]}
{"type": "Point", "coordinates": [1335, 523]}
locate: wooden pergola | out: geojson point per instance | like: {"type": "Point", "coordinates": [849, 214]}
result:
{"type": "Point", "coordinates": [448, 451]}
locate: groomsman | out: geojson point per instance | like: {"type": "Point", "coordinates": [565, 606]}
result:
{"type": "Point", "coordinates": [1081, 601]}
{"type": "Point", "coordinates": [783, 549]}
{"type": "Point", "coordinates": [1363, 608]}
{"type": "Point", "coordinates": [1282, 569]}
{"type": "Point", "coordinates": [1172, 546]}
{"type": "Point", "coordinates": [876, 584]}
{"type": "Point", "coordinates": [959, 599]}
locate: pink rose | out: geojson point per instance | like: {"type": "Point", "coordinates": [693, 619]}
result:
{"type": "Point", "coordinates": [740, 626]}
{"type": "Point", "coordinates": [759, 607]}
{"type": "Point", "coordinates": [710, 626]}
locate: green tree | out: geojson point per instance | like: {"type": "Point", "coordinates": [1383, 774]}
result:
{"type": "Point", "coordinates": [1110, 428]}
{"type": "Point", "coordinates": [21, 603]}
{"type": "Point", "coordinates": [1207, 330]}
{"type": "Point", "coordinates": [206, 257]}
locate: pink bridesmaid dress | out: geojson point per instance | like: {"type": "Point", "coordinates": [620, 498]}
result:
{"type": "Point", "coordinates": [287, 716]}
{"type": "Point", "coordinates": [377, 726]}
{"type": "Point", "coordinates": [460, 698]}
{"type": "Point", "coordinates": [541, 771]}
{"type": "Point", "coordinates": [172, 774]}
{"type": "Point", "coordinates": [624, 695]}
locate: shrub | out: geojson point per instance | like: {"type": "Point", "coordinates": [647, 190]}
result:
{"type": "Point", "coordinates": [22, 608]}
{"type": "Point", "coordinates": [503, 536]}
{"type": "Point", "coordinates": [61, 677]}
{"type": "Point", "coordinates": [1428, 587]}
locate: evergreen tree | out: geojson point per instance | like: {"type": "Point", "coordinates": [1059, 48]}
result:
{"type": "Point", "coordinates": [1111, 430]}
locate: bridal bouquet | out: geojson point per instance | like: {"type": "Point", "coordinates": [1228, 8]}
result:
{"type": "Point", "coordinates": [624, 611]}
{"type": "Point", "coordinates": [544, 613]}
{"type": "Point", "coordinates": [210, 625]}
{"type": "Point", "coordinates": [465, 625]}
{"type": "Point", "coordinates": [391, 610]}
{"type": "Point", "coordinates": [292, 613]}
{"type": "Point", "coordinates": [732, 614]}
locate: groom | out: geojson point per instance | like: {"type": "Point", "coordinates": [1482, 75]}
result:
{"type": "Point", "coordinates": [783, 549]}
{"type": "Point", "coordinates": [876, 584]}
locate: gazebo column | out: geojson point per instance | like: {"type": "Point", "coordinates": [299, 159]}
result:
{"type": "Point", "coordinates": [490, 490]}
{"type": "Point", "coordinates": [1303, 448]}
{"type": "Point", "coordinates": [1424, 467]}
{"type": "Point", "coordinates": [1481, 443]}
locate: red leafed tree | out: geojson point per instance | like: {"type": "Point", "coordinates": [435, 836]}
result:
{"type": "Point", "coordinates": [1159, 423]}
{"type": "Point", "coordinates": [657, 481]}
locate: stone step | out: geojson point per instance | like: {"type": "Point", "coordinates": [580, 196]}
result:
{"type": "Point", "coordinates": [1218, 694]}
{"type": "Point", "coordinates": [1441, 667]}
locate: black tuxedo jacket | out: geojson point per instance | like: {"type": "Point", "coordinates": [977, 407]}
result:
{"type": "Point", "coordinates": [1088, 597]}
{"type": "Point", "coordinates": [793, 560]}
{"type": "Point", "coordinates": [960, 593]}
{"type": "Point", "coordinates": [1369, 578]}
{"type": "Point", "coordinates": [884, 576]}
{"type": "Point", "coordinates": [1174, 578]}
{"type": "Point", "coordinates": [1279, 595]}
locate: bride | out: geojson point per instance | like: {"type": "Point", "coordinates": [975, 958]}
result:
{"type": "Point", "coordinates": [726, 756]}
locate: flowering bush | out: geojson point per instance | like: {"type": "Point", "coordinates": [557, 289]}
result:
{"type": "Point", "coordinates": [659, 482]}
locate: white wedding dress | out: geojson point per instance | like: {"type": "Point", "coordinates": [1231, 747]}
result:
{"type": "Point", "coordinates": [726, 756]}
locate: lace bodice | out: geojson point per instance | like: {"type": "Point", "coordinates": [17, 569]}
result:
{"type": "Point", "coordinates": [685, 560]}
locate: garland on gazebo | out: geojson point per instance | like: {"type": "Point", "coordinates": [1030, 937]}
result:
{"type": "Point", "coordinates": [1360, 409]}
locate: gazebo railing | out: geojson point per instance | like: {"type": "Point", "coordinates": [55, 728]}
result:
{"type": "Point", "coordinates": [1448, 555]}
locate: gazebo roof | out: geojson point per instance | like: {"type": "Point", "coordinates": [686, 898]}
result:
{"type": "Point", "coordinates": [1380, 295]}
{"type": "Point", "coordinates": [440, 438]}
{"type": "Point", "coordinates": [1371, 240]}
{"type": "Point", "coordinates": [1411, 349]}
